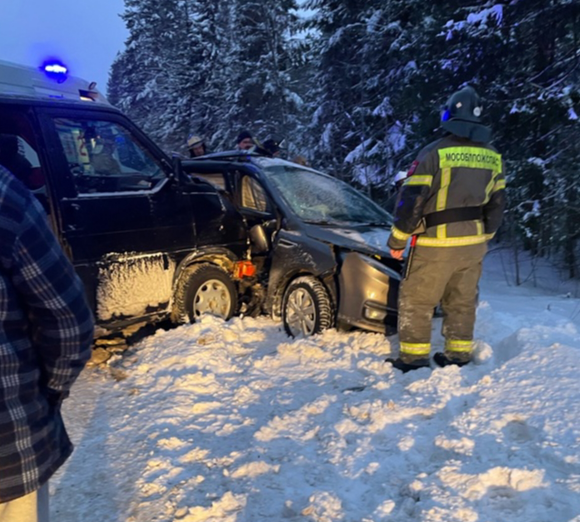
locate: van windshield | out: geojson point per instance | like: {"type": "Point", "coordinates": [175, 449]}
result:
{"type": "Point", "coordinates": [318, 198]}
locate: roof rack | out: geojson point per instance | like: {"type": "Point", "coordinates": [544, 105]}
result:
{"type": "Point", "coordinates": [48, 82]}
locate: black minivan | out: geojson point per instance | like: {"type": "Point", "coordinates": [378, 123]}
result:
{"type": "Point", "coordinates": [147, 243]}
{"type": "Point", "coordinates": [319, 244]}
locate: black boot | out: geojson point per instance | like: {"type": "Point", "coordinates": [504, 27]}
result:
{"type": "Point", "coordinates": [442, 360]}
{"type": "Point", "coordinates": [407, 367]}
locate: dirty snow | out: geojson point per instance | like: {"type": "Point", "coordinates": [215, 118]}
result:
{"type": "Point", "coordinates": [235, 422]}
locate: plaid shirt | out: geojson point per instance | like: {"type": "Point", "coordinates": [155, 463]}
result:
{"type": "Point", "coordinates": [46, 331]}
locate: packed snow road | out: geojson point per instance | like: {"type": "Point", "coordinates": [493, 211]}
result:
{"type": "Point", "coordinates": [236, 422]}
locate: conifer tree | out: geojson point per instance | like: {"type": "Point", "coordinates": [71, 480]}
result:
{"type": "Point", "coordinates": [259, 90]}
{"type": "Point", "coordinates": [358, 88]}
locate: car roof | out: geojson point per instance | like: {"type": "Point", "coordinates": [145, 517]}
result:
{"type": "Point", "coordinates": [232, 155]}
{"type": "Point", "coordinates": [250, 156]}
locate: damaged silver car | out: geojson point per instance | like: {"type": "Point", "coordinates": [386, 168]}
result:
{"type": "Point", "coordinates": [318, 243]}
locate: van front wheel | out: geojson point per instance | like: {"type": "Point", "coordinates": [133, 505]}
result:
{"type": "Point", "coordinates": [306, 308]}
{"type": "Point", "coordinates": [205, 289]}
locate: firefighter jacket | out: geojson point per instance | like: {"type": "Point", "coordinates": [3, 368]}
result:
{"type": "Point", "coordinates": [454, 195]}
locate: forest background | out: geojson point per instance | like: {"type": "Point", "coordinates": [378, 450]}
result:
{"type": "Point", "coordinates": [357, 87]}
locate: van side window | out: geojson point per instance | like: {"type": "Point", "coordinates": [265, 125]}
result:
{"type": "Point", "coordinates": [253, 195]}
{"type": "Point", "coordinates": [104, 157]}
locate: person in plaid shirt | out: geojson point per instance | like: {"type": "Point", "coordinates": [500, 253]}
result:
{"type": "Point", "coordinates": [46, 332]}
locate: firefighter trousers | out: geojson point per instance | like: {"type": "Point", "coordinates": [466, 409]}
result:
{"type": "Point", "coordinates": [449, 276]}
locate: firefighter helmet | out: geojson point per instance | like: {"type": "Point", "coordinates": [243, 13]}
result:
{"type": "Point", "coordinates": [462, 116]}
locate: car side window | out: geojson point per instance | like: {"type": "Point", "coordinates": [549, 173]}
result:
{"type": "Point", "coordinates": [104, 157]}
{"type": "Point", "coordinates": [253, 195]}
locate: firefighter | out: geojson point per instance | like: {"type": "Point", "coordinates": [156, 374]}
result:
{"type": "Point", "coordinates": [451, 203]}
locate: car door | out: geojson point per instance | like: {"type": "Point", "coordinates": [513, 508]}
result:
{"type": "Point", "coordinates": [122, 216]}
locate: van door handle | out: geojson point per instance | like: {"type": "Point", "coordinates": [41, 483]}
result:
{"type": "Point", "coordinates": [74, 209]}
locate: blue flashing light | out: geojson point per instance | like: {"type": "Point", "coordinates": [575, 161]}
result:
{"type": "Point", "coordinates": [445, 115]}
{"type": "Point", "coordinates": [55, 70]}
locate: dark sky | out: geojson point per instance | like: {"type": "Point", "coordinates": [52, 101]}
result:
{"type": "Point", "coordinates": [85, 35]}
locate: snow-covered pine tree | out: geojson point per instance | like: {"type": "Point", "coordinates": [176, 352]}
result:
{"type": "Point", "coordinates": [211, 68]}
{"type": "Point", "coordinates": [155, 80]}
{"type": "Point", "coordinates": [259, 91]}
{"type": "Point", "coordinates": [334, 130]}
{"type": "Point", "coordinates": [392, 84]}
{"type": "Point", "coordinates": [213, 24]}
{"type": "Point", "coordinates": [370, 96]}
{"type": "Point", "coordinates": [527, 71]}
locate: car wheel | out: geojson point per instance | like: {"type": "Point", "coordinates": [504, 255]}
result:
{"type": "Point", "coordinates": [205, 289]}
{"type": "Point", "coordinates": [306, 308]}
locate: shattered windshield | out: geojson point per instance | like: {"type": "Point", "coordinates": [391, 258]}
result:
{"type": "Point", "coordinates": [317, 198]}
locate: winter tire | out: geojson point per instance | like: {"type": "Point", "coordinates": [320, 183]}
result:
{"type": "Point", "coordinates": [205, 289]}
{"type": "Point", "coordinates": [306, 308]}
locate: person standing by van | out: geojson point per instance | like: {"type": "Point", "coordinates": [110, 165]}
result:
{"type": "Point", "coordinates": [456, 190]}
{"type": "Point", "coordinates": [46, 332]}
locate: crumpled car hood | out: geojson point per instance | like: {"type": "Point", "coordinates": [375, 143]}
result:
{"type": "Point", "coordinates": [365, 239]}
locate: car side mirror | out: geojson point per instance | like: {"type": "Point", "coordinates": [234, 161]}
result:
{"type": "Point", "coordinates": [259, 239]}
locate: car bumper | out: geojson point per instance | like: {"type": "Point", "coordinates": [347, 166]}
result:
{"type": "Point", "coordinates": [368, 294]}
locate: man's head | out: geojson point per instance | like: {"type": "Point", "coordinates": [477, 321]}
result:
{"type": "Point", "coordinates": [244, 140]}
{"type": "Point", "coordinates": [462, 116]}
{"type": "Point", "coordinates": [196, 146]}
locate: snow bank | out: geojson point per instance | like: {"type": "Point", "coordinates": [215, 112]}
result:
{"type": "Point", "coordinates": [235, 422]}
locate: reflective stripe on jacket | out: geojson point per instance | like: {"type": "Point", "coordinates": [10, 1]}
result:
{"type": "Point", "coordinates": [451, 173]}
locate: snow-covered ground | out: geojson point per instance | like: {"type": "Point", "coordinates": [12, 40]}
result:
{"type": "Point", "coordinates": [235, 422]}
